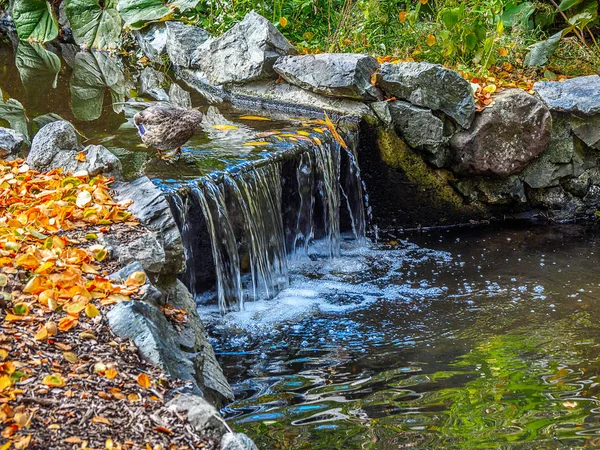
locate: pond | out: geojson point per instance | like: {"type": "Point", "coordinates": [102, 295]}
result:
{"type": "Point", "coordinates": [477, 338]}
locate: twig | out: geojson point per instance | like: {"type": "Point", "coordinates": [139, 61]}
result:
{"type": "Point", "coordinates": [579, 35]}
{"type": "Point", "coordinates": [39, 401]}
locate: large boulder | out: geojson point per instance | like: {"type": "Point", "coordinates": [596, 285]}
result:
{"type": "Point", "coordinates": [576, 95]}
{"type": "Point", "coordinates": [431, 86]}
{"type": "Point", "coordinates": [11, 143]}
{"type": "Point", "coordinates": [246, 52]}
{"type": "Point", "coordinates": [57, 145]}
{"type": "Point", "coordinates": [332, 74]}
{"type": "Point", "coordinates": [505, 137]}
{"type": "Point", "coordinates": [151, 208]}
{"type": "Point", "coordinates": [182, 40]}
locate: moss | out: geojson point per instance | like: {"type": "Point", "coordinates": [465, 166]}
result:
{"type": "Point", "coordinates": [435, 184]}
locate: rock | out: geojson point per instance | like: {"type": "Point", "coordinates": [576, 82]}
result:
{"type": "Point", "coordinates": [592, 199]}
{"type": "Point", "coordinates": [200, 414]}
{"type": "Point", "coordinates": [576, 95]}
{"type": "Point", "coordinates": [192, 338]}
{"type": "Point", "coordinates": [152, 40]}
{"type": "Point", "coordinates": [11, 143]}
{"type": "Point", "coordinates": [553, 165]}
{"type": "Point", "coordinates": [332, 74]}
{"type": "Point", "coordinates": [418, 126]}
{"type": "Point", "coordinates": [505, 137]}
{"type": "Point", "coordinates": [179, 96]}
{"type": "Point", "coordinates": [430, 86]}
{"type": "Point", "coordinates": [285, 94]}
{"type": "Point", "coordinates": [245, 53]}
{"type": "Point", "coordinates": [212, 94]}
{"type": "Point", "coordinates": [145, 249]}
{"type": "Point", "coordinates": [151, 208]}
{"type": "Point", "coordinates": [493, 192]}
{"type": "Point", "coordinates": [560, 205]}
{"type": "Point", "coordinates": [237, 441]}
{"type": "Point", "coordinates": [382, 111]}
{"type": "Point", "coordinates": [579, 186]}
{"type": "Point", "coordinates": [56, 145]}
{"type": "Point", "coordinates": [151, 82]}
{"type": "Point", "coordinates": [182, 40]}
{"type": "Point", "coordinates": [587, 129]}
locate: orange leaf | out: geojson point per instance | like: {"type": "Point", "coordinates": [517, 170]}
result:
{"type": "Point", "coordinates": [143, 380]}
{"type": "Point", "coordinates": [66, 323]}
{"type": "Point", "coordinates": [333, 131]}
{"type": "Point", "coordinates": [111, 373]}
{"type": "Point", "coordinates": [402, 16]}
{"type": "Point", "coordinates": [430, 41]}
{"type": "Point", "coordinates": [81, 157]}
{"type": "Point", "coordinates": [99, 419]}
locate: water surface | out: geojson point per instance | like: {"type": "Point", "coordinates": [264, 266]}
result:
{"type": "Point", "coordinates": [484, 338]}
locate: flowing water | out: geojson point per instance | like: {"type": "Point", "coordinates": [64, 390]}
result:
{"type": "Point", "coordinates": [473, 338]}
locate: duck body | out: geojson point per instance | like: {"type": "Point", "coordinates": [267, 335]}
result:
{"type": "Point", "coordinates": [167, 127]}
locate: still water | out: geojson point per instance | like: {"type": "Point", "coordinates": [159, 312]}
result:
{"type": "Point", "coordinates": [478, 338]}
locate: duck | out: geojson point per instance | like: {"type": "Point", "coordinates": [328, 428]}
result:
{"type": "Point", "coordinates": [167, 127]}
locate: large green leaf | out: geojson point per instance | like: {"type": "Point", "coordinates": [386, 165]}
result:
{"type": "Point", "coordinates": [35, 20]}
{"type": "Point", "coordinates": [37, 67]}
{"type": "Point", "coordinates": [93, 25]}
{"type": "Point", "coordinates": [540, 52]}
{"type": "Point", "coordinates": [518, 15]}
{"type": "Point", "coordinates": [185, 4]}
{"type": "Point", "coordinates": [93, 73]}
{"type": "Point", "coordinates": [567, 4]}
{"type": "Point", "coordinates": [138, 13]}
{"type": "Point", "coordinates": [13, 112]}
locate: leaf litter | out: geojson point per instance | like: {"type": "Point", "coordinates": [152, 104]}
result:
{"type": "Point", "coordinates": [66, 382]}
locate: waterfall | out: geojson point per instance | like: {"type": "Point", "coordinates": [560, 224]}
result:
{"type": "Point", "coordinates": [256, 215]}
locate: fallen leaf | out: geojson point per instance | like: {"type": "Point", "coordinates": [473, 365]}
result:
{"type": "Point", "coordinates": [143, 380]}
{"type": "Point", "coordinates": [53, 381]}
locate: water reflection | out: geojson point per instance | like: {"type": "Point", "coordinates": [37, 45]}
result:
{"type": "Point", "coordinates": [473, 339]}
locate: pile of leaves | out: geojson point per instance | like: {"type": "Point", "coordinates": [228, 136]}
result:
{"type": "Point", "coordinates": [65, 381]}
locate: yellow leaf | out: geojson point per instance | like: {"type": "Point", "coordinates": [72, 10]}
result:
{"type": "Point", "coordinates": [255, 144]}
{"type": "Point", "coordinates": [111, 373]}
{"type": "Point", "coordinates": [303, 133]}
{"type": "Point", "coordinates": [70, 356]}
{"type": "Point", "coordinates": [5, 382]}
{"type": "Point", "coordinates": [3, 354]}
{"type": "Point", "coordinates": [317, 141]}
{"type": "Point", "coordinates": [100, 255]}
{"type": "Point", "coordinates": [6, 446]}
{"type": "Point", "coordinates": [75, 308]}
{"type": "Point", "coordinates": [502, 52]}
{"type": "Point", "coordinates": [81, 157]}
{"type": "Point", "coordinates": [254, 118]}
{"type": "Point", "coordinates": [66, 323]}
{"type": "Point", "coordinates": [224, 127]}
{"type": "Point", "coordinates": [133, 398]}
{"type": "Point", "coordinates": [143, 380]}
{"type": "Point", "coordinates": [91, 311]}
{"type": "Point", "coordinates": [490, 88]}
{"type": "Point", "coordinates": [402, 16]}
{"type": "Point", "coordinates": [136, 279]}
{"type": "Point", "coordinates": [283, 22]}
{"type": "Point", "coordinates": [333, 131]}
{"type": "Point", "coordinates": [83, 199]}
{"type": "Point", "coordinates": [430, 41]}
{"type": "Point", "coordinates": [424, 2]}
{"type": "Point", "coordinates": [41, 335]}
{"type": "Point", "coordinates": [53, 381]}
{"type": "Point", "coordinates": [33, 285]}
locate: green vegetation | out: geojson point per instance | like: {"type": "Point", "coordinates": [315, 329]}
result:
{"type": "Point", "coordinates": [471, 35]}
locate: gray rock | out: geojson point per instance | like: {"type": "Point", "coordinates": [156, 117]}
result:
{"type": "Point", "coordinates": [145, 249]}
{"type": "Point", "coordinates": [287, 94]}
{"type": "Point", "coordinates": [151, 82]}
{"type": "Point", "coordinates": [11, 143]}
{"type": "Point", "coordinates": [431, 86]}
{"type": "Point", "coordinates": [56, 146]}
{"type": "Point", "coordinates": [151, 208]}
{"type": "Point", "coordinates": [505, 137]}
{"type": "Point", "coordinates": [212, 94]}
{"type": "Point", "coordinates": [592, 199]}
{"type": "Point", "coordinates": [493, 192]}
{"type": "Point", "coordinates": [152, 40]}
{"type": "Point", "coordinates": [200, 414]}
{"type": "Point", "coordinates": [576, 95]}
{"type": "Point", "coordinates": [559, 204]}
{"type": "Point", "coordinates": [332, 74]}
{"type": "Point", "coordinates": [553, 165]}
{"type": "Point", "coordinates": [179, 96]}
{"type": "Point", "coordinates": [587, 129]}
{"type": "Point", "coordinates": [182, 40]}
{"type": "Point", "coordinates": [237, 441]}
{"type": "Point", "coordinates": [418, 126]}
{"type": "Point", "coordinates": [579, 186]}
{"type": "Point", "coordinates": [245, 53]}
{"type": "Point", "coordinates": [192, 338]}
{"type": "Point", "coordinates": [382, 111]}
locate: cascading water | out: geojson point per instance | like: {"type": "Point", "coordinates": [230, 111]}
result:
{"type": "Point", "coordinates": [259, 213]}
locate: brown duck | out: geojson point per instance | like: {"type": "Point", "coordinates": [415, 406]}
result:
{"type": "Point", "coordinates": [167, 127]}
